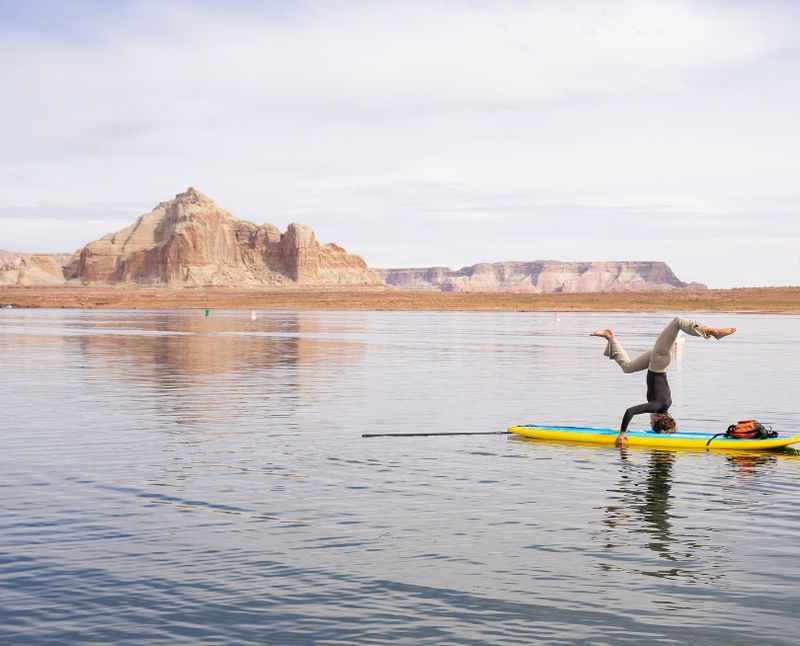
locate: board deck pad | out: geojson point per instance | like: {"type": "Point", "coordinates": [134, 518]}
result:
{"type": "Point", "coordinates": [649, 438]}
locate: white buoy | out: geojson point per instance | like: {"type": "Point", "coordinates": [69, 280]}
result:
{"type": "Point", "coordinates": [252, 315]}
{"type": "Point", "coordinates": [677, 350]}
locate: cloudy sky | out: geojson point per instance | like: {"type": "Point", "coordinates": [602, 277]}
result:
{"type": "Point", "coordinates": [414, 133]}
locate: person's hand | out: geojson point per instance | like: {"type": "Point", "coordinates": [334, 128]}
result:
{"type": "Point", "coordinates": [621, 440]}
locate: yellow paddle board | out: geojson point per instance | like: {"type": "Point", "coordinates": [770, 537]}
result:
{"type": "Point", "coordinates": [649, 438]}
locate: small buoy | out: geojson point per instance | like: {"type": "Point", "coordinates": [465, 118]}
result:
{"type": "Point", "coordinates": [206, 312]}
{"type": "Point", "coordinates": [678, 349]}
{"type": "Point", "coordinates": [252, 315]}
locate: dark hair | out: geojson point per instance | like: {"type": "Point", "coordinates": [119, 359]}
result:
{"type": "Point", "coordinates": [665, 422]}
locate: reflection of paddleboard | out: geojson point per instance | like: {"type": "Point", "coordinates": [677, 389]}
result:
{"type": "Point", "coordinates": [648, 438]}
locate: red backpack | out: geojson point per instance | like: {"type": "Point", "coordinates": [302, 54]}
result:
{"type": "Point", "coordinates": [750, 429]}
{"type": "Point", "coordinates": [747, 429]}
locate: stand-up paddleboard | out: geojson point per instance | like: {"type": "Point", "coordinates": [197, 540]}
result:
{"type": "Point", "coordinates": [649, 438]}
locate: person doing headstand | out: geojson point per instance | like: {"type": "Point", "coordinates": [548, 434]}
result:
{"type": "Point", "coordinates": [656, 361]}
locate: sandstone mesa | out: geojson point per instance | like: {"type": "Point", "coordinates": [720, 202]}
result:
{"type": "Point", "coordinates": [541, 277]}
{"type": "Point", "coordinates": [191, 242]}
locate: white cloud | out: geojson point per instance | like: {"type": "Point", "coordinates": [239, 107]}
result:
{"type": "Point", "coordinates": [419, 131]}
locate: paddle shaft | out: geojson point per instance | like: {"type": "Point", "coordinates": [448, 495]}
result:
{"type": "Point", "coordinates": [431, 434]}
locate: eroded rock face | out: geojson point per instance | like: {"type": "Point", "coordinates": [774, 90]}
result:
{"type": "Point", "coordinates": [543, 276]}
{"type": "Point", "coordinates": [191, 241]}
{"type": "Point", "coordinates": [33, 269]}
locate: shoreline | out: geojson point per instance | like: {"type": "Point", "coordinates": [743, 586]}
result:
{"type": "Point", "coordinates": [749, 300]}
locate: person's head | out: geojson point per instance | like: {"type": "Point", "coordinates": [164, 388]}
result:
{"type": "Point", "coordinates": [663, 423]}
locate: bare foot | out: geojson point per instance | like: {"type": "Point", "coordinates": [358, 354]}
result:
{"type": "Point", "coordinates": [721, 332]}
{"type": "Point", "coordinates": [605, 334]}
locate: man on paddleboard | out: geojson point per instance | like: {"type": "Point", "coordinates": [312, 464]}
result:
{"type": "Point", "coordinates": [656, 361]}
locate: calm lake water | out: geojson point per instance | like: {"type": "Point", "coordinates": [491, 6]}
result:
{"type": "Point", "coordinates": [170, 478]}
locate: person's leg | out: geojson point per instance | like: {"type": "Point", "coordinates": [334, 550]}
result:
{"type": "Point", "coordinates": [661, 354]}
{"type": "Point", "coordinates": [614, 350]}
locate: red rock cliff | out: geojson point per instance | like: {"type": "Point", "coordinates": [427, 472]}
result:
{"type": "Point", "coordinates": [191, 241]}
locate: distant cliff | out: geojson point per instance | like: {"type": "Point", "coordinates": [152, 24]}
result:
{"type": "Point", "coordinates": [191, 242]}
{"type": "Point", "coordinates": [32, 268]}
{"type": "Point", "coordinates": [540, 276]}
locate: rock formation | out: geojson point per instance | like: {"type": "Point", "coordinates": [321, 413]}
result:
{"type": "Point", "coordinates": [32, 269]}
{"type": "Point", "coordinates": [190, 241]}
{"type": "Point", "coordinates": [541, 276]}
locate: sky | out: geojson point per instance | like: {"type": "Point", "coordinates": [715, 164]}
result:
{"type": "Point", "coordinates": [417, 133]}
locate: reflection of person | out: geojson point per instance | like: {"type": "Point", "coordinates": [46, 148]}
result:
{"type": "Point", "coordinates": [656, 361]}
{"type": "Point", "coordinates": [651, 502]}
{"type": "Point", "coordinates": [655, 508]}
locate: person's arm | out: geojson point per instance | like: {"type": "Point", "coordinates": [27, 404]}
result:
{"type": "Point", "coordinates": [649, 407]}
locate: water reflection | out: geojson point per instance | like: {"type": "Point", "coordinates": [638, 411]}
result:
{"type": "Point", "coordinates": [647, 497]}
{"type": "Point", "coordinates": [746, 465]}
{"type": "Point", "coordinates": [201, 371]}
{"type": "Point", "coordinates": [655, 508]}
{"type": "Point", "coordinates": [643, 504]}
{"type": "Point", "coordinates": [195, 345]}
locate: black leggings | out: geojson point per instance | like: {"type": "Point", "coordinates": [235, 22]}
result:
{"type": "Point", "coordinates": [659, 398]}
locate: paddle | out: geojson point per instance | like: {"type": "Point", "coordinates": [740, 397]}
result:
{"type": "Point", "coordinates": [432, 434]}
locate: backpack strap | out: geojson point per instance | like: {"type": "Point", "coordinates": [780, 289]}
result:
{"type": "Point", "coordinates": [714, 437]}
